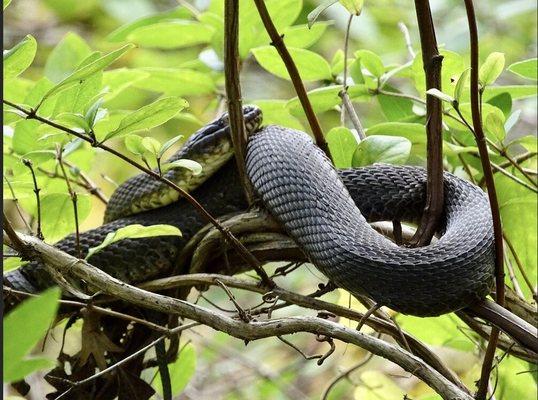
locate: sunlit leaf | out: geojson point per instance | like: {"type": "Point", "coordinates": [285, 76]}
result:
{"type": "Point", "coordinates": [149, 116]}
{"type": "Point", "coordinates": [311, 65]}
{"type": "Point", "coordinates": [33, 317]}
{"type": "Point", "coordinates": [169, 143]}
{"type": "Point", "coordinates": [371, 61]}
{"type": "Point", "coordinates": [440, 95]}
{"type": "Point", "coordinates": [171, 35]}
{"type": "Point", "coordinates": [19, 57]}
{"type": "Point", "coordinates": [526, 69]}
{"type": "Point", "coordinates": [135, 231]}
{"type": "Point", "coordinates": [342, 144]}
{"type": "Point", "coordinates": [491, 68]}
{"type": "Point", "coordinates": [193, 166]}
{"type": "Point", "coordinates": [353, 6]}
{"type": "Point", "coordinates": [98, 65]}
{"type": "Point", "coordinates": [58, 215]}
{"type": "Point", "coordinates": [316, 12]}
{"type": "Point", "coordinates": [382, 149]}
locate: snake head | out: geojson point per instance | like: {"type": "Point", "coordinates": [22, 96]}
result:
{"type": "Point", "coordinates": [217, 132]}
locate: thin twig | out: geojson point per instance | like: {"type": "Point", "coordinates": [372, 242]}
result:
{"type": "Point", "coordinates": [492, 195]}
{"type": "Point", "coordinates": [29, 164]}
{"type": "Point", "coordinates": [519, 264]}
{"type": "Point", "coordinates": [73, 195]}
{"type": "Point", "coordinates": [17, 205]}
{"type": "Point", "coordinates": [407, 38]}
{"type": "Point", "coordinates": [345, 374]}
{"type": "Point", "coordinates": [512, 276]}
{"type": "Point", "coordinates": [278, 42]}
{"type": "Point", "coordinates": [242, 313]}
{"type": "Point", "coordinates": [89, 185]}
{"type": "Point", "coordinates": [241, 249]}
{"type": "Point", "coordinates": [314, 357]}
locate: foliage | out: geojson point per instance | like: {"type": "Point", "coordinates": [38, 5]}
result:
{"type": "Point", "coordinates": [135, 77]}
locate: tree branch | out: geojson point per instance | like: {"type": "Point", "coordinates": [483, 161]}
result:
{"type": "Point", "coordinates": [278, 42]}
{"type": "Point", "coordinates": [233, 92]}
{"type": "Point", "coordinates": [67, 264]}
{"type": "Point", "coordinates": [492, 194]}
{"type": "Point", "coordinates": [432, 61]}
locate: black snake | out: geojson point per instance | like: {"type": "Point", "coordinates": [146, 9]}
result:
{"type": "Point", "coordinates": [324, 210]}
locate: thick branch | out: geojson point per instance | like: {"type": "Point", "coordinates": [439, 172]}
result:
{"type": "Point", "coordinates": [434, 119]}
{"type": "Point", "coordinates": [68, 264]}
{"type": "Point", "coordinates": [233, 91]}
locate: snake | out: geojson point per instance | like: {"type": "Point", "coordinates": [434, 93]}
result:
{"type": "Point", "coordinates": [326, 211]}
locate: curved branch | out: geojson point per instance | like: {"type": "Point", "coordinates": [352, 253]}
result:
{"type": "Point", "coordinates": [68, 264]}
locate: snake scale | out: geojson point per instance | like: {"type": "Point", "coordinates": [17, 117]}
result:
{"type": "Point", "coordinates": [326, 211]}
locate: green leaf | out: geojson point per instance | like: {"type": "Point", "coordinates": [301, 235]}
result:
{"type": "Point", "coordinates": [73, 121]}
{"type": "Point", "coordinates": [382, 149]}
{"type": "Point", "coordinates": [171, 35]}
{"type": "Point", "coordinates": [6, 3]}
{"type": "Point", "coordinates": [437, 331]}
{"type": "Point", "coordinates": [168, 144]}
{"type": "Point", "coordinates": [12, 263]}
{"type": "Point", "coordinates": [526, 69]}
{"type": "Point", "coordinates": [337, 62]}
{"type": "Point", "coordinates": [460, 84]}
{"type": "Point", "coordinates": [311, 65]}
{"type": "Point", "coordinates": [342, 144]}
{"type": "Point", "coordinates": [39, 156]}
{"type": "Point", "coordinates": [395, 108]}
{"type": "Point", "coordinates": [135, 231]}
{"type": "Point", "coordinates": [276, 112]}
{"type": "Point", "coordinates": [191, 165]}
{"type": "Point", "coordinates": [58, 216]}
{"type": "Point", "coordinates": [453, 65]}
{"type": "Point", "coordinates": [491, 69]}
{"type": "Point", "coordinates": [529, 142]}
{"type": "Point", "coordinates": [152, 145]}
{"type": "Point", "coordinates": [181, 371]}
{"type": "Point", "coordinates": [117, 80]}
{"type": "Point", "coordinates": [353, 6]}
{"type": "Point", "coordinates": [519, 209]}
{"type": "Point", "coordinates": [27, 323]}
{"type": "Point", "coordinates": [415, 133]}
{"type": "Point", "coordinates": [316, 12]}
{"type": "Point", "coordinates": [177, 81]}
{"type": "Point", "coordinates": [371, 61]}
{"type": "Point", "coordinates": [133, 143]}
{"type": "Point", "coordinates": [123, 31]}
{"type": "Point", "coordinates": [65, 57]}
{"type": "Point", "coordinates": [440, 95]}
{"type": "Point", "coordinates": [82, 73]}
{"type": "Point", "coordinates": [301, 36]}
{"type": "Point", "coordinates": [495, 125]}
{"type": "Point", "coordinates": [503, 102]}
{"type": "Point", "coordinates": [517, 92]}
{"type": "Point", "coordinates": [149, 116]}
{"type": "Point", "coordinates": [19, 57]}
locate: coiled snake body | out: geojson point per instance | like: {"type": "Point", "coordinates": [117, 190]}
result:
{"type": "Point", "coordinates": [324, 210]}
